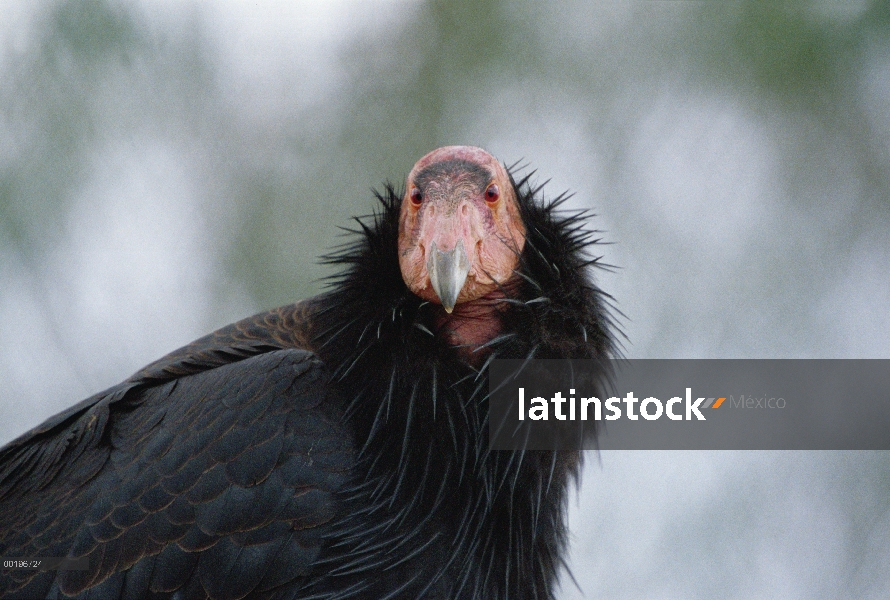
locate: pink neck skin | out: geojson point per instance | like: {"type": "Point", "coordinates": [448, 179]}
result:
{"type": "Point", "coordinates": [476, 322]}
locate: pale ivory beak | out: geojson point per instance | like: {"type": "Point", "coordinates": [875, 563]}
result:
{"type": "Point", "coordinates": [448, 273]}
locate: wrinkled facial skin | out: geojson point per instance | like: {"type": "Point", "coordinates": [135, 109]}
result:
{"type": "Point", "coordinates": [459, 215]}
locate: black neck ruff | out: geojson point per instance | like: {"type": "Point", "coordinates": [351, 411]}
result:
{"type": "Point", "coordinates": [454, 520]}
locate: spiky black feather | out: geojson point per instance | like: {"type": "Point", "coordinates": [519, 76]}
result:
{"type": "Point", "coordinates": [463, 521]}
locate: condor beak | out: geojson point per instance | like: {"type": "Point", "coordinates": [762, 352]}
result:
{"type": "Point", "coordinates": [448, 272]}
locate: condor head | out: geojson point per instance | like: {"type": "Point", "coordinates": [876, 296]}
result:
{"type": "Point", "coordinates": [460, 231]}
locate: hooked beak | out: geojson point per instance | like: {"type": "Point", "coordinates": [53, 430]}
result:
{"type": "Point", "coordinates": [448, 272]}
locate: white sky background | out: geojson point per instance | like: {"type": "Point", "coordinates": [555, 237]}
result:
{"type": "Point", "coordinates": [741, 229]}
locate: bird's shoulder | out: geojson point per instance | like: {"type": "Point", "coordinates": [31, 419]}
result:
{"type": "Point", "coordinates": [177, 453]}
{"type": "Point", "coordinates": [284, 327]}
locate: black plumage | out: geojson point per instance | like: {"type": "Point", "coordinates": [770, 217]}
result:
{"type": "Point", "coordinates": [334, 448]}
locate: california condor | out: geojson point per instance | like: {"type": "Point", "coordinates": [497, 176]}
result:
{"type": "Point", "coordinates": [336, 447]}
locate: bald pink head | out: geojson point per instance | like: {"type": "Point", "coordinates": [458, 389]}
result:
{"type": "Point", "coordinates": [460, 231]}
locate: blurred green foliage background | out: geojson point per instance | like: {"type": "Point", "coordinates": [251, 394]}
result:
{"type": "Point", "coordinates": [169, 167]}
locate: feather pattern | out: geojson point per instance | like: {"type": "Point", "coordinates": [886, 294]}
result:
{"type": "Point", "coordinates": [334, 448]}
{"type": "Point", "coordinates": [497, 518]}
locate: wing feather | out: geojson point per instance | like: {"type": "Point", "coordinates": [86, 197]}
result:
{"type": "Point", "coordinates": [219, 482]}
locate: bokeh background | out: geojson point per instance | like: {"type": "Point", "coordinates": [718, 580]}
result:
{"type": "Point", "coordinates": [167, 167]}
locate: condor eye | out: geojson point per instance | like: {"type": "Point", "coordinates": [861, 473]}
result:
{"type": "Point", "coordinates": [492, 193]}
{"type": "Point", "coordinates": [416, 197]}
